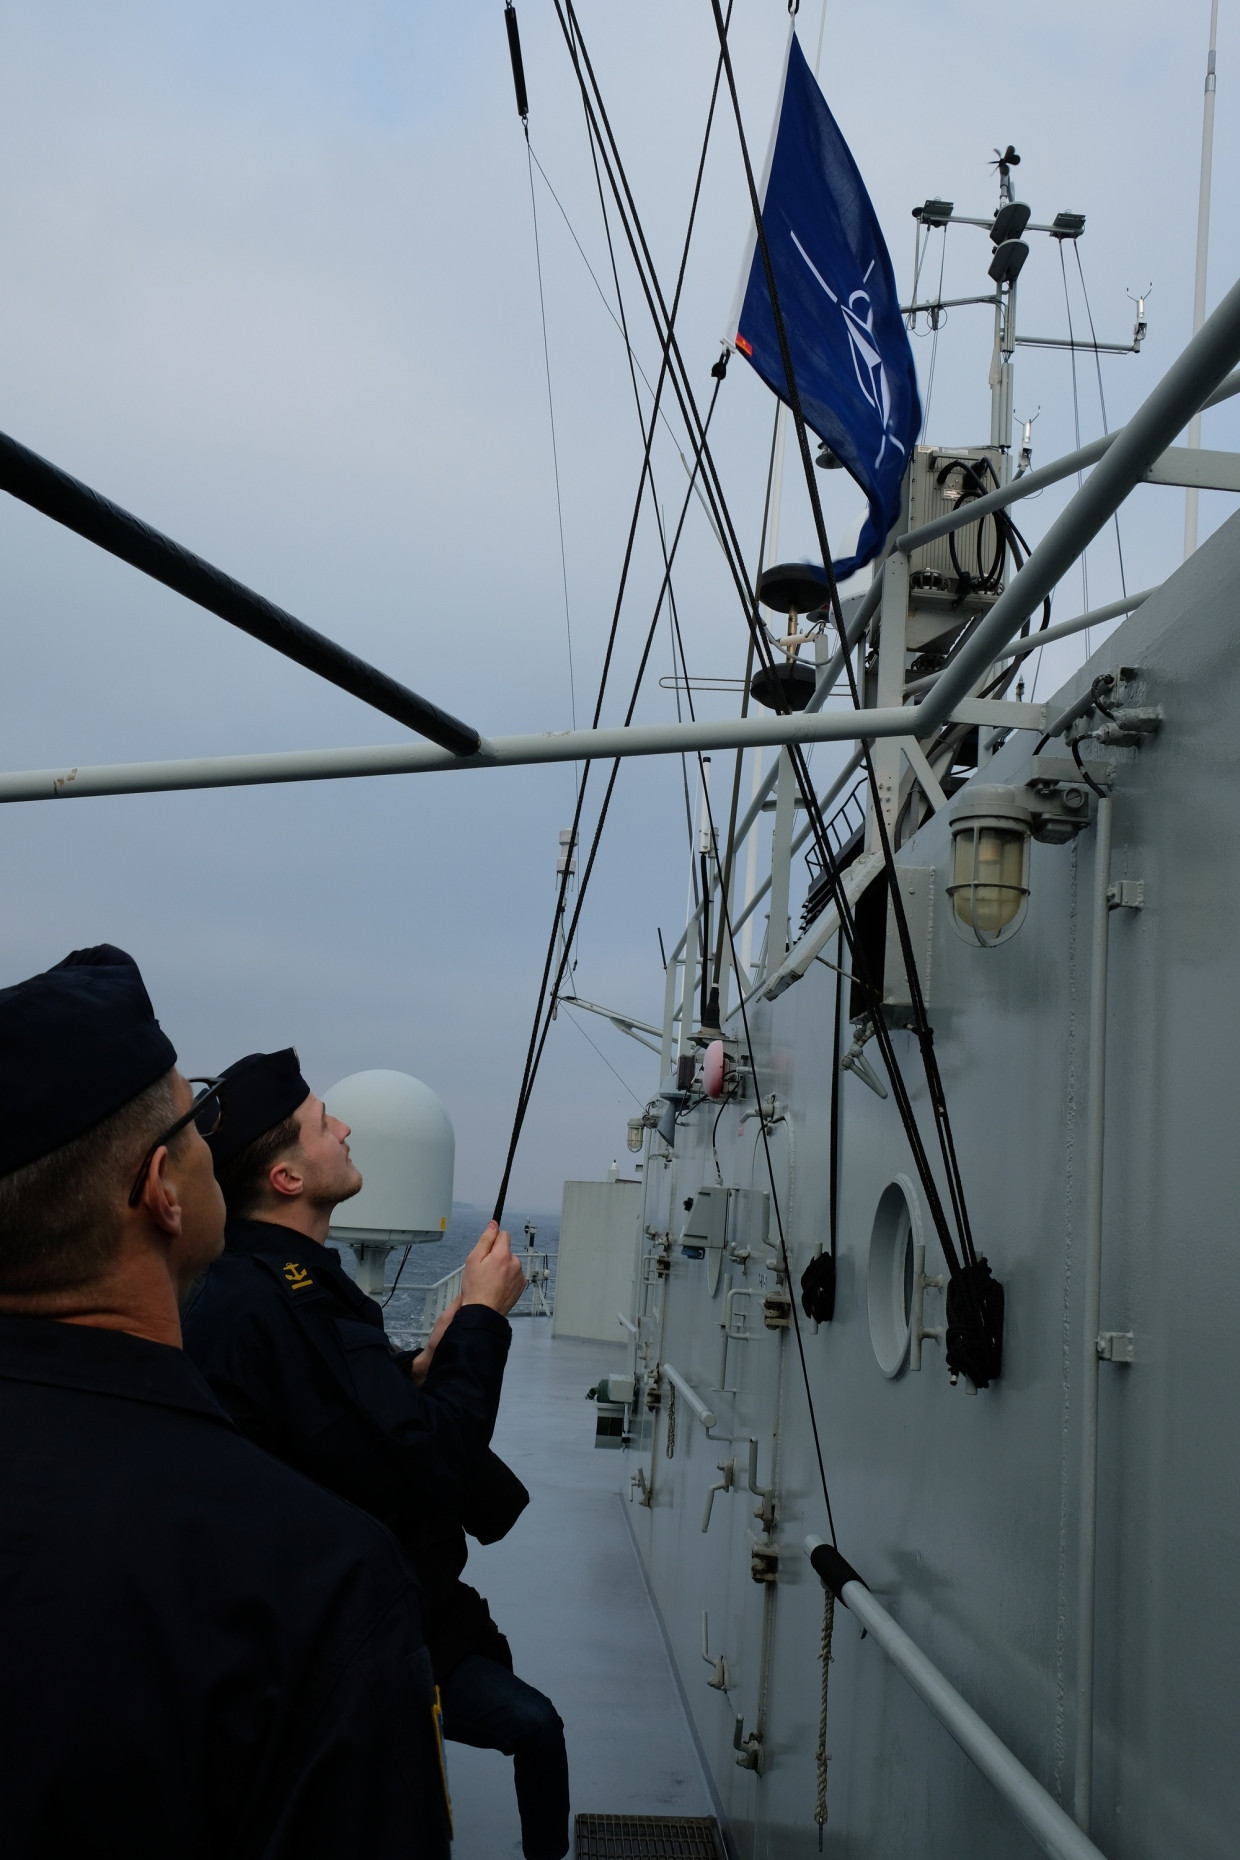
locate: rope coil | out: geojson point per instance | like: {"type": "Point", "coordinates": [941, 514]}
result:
{"type": "Point", "coordinates": [821, 1755]}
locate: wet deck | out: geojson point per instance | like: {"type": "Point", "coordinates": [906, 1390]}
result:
{"type": "Point", "coordinates": [567, 1589]}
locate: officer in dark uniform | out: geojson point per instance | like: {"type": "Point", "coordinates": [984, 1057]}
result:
{"type": "Point", "coordinates": [299, 1357]}
{"type": "Point", "coordinates": [204, 1654]}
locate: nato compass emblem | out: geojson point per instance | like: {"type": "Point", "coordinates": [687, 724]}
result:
{"type": "Point", "coordinates": [858, 315]}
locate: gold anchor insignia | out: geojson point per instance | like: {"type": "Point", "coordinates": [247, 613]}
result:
{"type": "Point", "coordinates": [296, 1275]}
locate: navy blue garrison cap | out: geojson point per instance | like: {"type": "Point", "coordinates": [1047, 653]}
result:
{"type": "Point", "coordinates": [263, 1089]}
{"type": "Point", "coordinates": [76, 1043]}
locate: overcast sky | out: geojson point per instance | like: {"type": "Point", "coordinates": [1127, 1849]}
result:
{"type": "Point", "coordinates": [267, 278]}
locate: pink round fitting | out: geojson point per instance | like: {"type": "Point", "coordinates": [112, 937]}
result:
{"type": "Point", "coordinates": [714, 1069]}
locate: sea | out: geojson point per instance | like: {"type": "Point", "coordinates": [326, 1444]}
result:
{"type": "Point", "coordinates": [413, 1271]}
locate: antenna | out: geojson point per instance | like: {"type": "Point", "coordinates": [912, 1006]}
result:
{"type": "Point", "coordinates": [1203, 246]}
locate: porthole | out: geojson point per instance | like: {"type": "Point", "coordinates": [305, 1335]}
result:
{"type": "Point", "coordinates": [896, 1230]}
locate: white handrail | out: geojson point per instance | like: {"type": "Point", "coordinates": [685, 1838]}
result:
{"type": "Point", "coordinates": [691, 1395]}
{"type": "Point", "coordinates": [1054, 1830]}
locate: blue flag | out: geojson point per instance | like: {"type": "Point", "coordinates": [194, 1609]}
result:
{"type": "Point", "coordinates": [850, 351]}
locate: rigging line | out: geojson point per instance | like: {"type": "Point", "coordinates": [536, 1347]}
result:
{"type": "Point", "coordinates": [634, 369]}
{"type": "Point", "coordinates": [671, 431]}
{"type": "Point", "coordinates": [602, 1055]}
{"type": "Point", "coordinates": [934, 346]}
{"type": "Point", "coordinates": [648, 278]}
{"type": "Point", "coordinates": [730, 853]}
{"type": "Point", "coordinates": [683, 389]}
{"type": "Point", "coordinates": [725, 918]}
{"type": "Point", "coordinates": [810, 797]}
{"type": "Point", "coordinates": [615, 769]}
{"type": "Point", "coordinates": [555, 454]}
{"type": "Point", "coordinates": [822, 27]}
{"type": "Point", "coordinates": [644, 477]}
{"type": "Point", "coordinates": [1076, 417]}
{"type": "Point", "coordinates": [726, 915]}
{"type": "Point", "coordinates": [664, 335]}
{"type": "Point", "coordinates": [538, 1040]}
{"type": "Point", "coordinates": [921, 1023]}
{"type": "Point", "coordinates": [1102, 403]}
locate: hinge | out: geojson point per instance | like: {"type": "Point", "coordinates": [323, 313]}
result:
{"type": "Point", "coordinates": [1116, 1346]}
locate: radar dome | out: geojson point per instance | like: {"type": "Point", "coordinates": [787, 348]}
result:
{"type": "Point", "coordinates": [403, 1143]}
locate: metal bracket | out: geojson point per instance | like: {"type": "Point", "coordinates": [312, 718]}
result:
{"type": "Point", "coordinates": [763, 1557]}
{"type": "Point", "coordinates": [855, 1061]}
{"type": "Point", "coordinates": [776, 1311]}
{"type": "Point", "coordinates": [728, 1469]}
{"type": "Point", "coordinates": [639, 1484]}
{"type": "Point", "coordinates": [750, 1753]}
{"type": "Point", "coordinates": [1127, 894]}
{"type": "Point", "coordinates": [718, 1665]}
{"type": "Point", "coordinates": [728, 1334]}
{"type": "Point", "coordinates": [1116, 1346]}
{"type": "Point", "coordinates": [917, 1331]}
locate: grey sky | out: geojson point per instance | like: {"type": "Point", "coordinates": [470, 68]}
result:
{"type": "Point", "coordinates": [268, 280]}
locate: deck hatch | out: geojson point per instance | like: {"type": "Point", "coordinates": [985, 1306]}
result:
{"type": "Point", "coordinates": [648, 1837]}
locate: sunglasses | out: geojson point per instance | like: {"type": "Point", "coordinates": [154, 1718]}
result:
{"type": "Point", "coordinates": [206, 1112]}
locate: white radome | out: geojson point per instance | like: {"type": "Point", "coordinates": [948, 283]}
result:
{"type": "Point", "coordinates": [403, 1142]}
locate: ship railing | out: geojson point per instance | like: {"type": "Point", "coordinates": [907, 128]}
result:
{"type": "Point", "coordinates": [1049, 1824]}
{"type": "Point", "coordinates": [535, 1300]}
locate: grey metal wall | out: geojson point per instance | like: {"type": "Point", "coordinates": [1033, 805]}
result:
{"type": "Point", "coordinates": [961, 1510]}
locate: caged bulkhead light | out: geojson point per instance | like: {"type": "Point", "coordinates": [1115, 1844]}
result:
{"type": "Point", "coordinates": [989, 888]}
{"type": "Point", "coordinates": [992, 825]}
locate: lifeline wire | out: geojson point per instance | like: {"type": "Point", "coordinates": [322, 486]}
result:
{"type": "Point", "coordinates": [566, 1004]}
{"type": "Point", "coordinates": [1076, 417]}
{"type": "Point", "coordinates": [555, 454]}
{"type": "Point", "coordinates": [725, 917]}
{"type": "Point", "coordinates": [1102, 400]}
{"type": "Point", "coordinates": [543, 1018]}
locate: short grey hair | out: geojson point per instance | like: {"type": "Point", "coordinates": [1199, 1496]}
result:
{"type": "Point", "coordinates": [60, 1216]}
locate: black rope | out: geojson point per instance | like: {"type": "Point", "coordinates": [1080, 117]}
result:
{"type": "Point", "coordinates": [544, 1016]}
{"type": "Point", "coordinates": [534, 1050]}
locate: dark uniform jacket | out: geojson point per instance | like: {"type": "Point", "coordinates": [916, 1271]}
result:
{"type": "Point", "coordinates": [299, 1357]}
{"type": "Point", "coordinates": [202, 1654]}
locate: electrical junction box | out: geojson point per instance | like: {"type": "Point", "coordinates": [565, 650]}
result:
{"type": "Point", "coordinates": [941, 596]}
{"type": "Point", "coordinates": [726, 1219]}
{"type": "Point", "coordinates": [706, 1222]}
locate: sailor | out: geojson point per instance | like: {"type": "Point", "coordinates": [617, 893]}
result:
{"type": "Point", "coordinates": [203, 1652]}
{"type": "Point", "coordinates": [299, 1357]}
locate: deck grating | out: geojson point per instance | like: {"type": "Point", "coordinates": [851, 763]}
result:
{"type": "Point", "coordinates": [648, 1837]}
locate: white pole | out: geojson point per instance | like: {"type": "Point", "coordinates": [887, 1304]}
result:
{"type": "Point", "coordinates": [1095, 1134]}
{"type": "Point", "coordinates": [1203, 246]}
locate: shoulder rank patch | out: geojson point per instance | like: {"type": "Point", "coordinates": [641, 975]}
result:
{"type": "Point", "coordinates": [297, 1276]}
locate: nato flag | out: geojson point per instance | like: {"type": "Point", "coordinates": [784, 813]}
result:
{"type": "Point", "coordinates": [850, 352]}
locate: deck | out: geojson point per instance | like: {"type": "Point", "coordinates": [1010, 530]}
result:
{"type": "Point", "coordinates": [567, 1589]}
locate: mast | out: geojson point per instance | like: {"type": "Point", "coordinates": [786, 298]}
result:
{"type": "Point", "coordinates": [1203, 245]}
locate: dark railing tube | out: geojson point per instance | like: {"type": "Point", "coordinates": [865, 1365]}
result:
{"type": "Point", "coordinates": [24, 475]}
